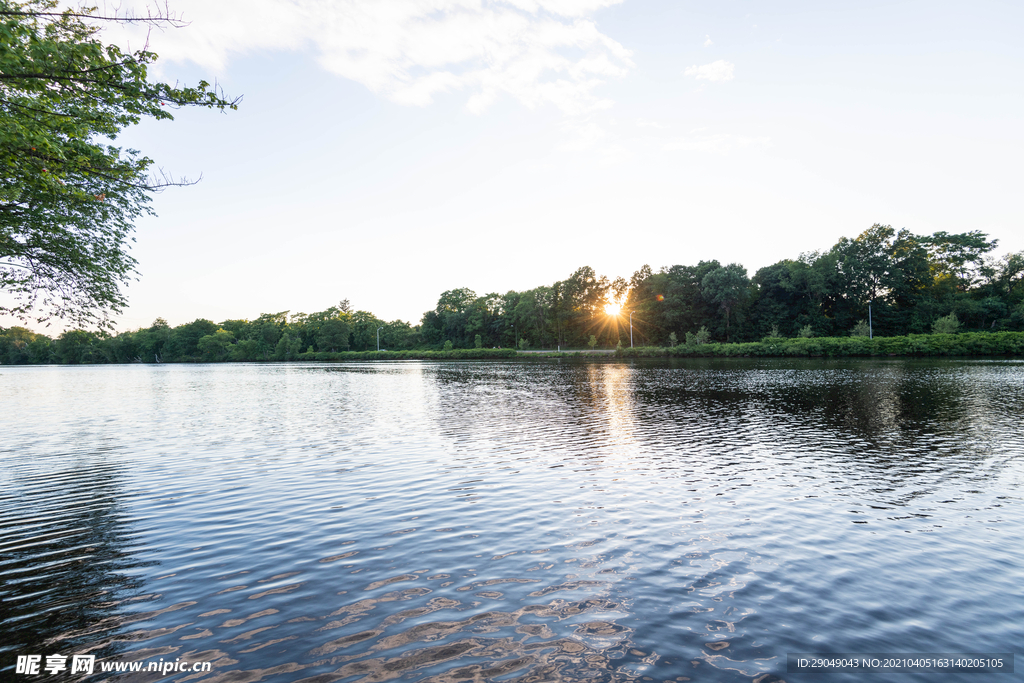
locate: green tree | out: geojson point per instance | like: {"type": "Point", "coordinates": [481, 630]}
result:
{"type": "Point", "coordinates": [946, 325]}
{"type": "Point", "coordinates": [183, 341]}
{"type": "Point", "coordinates": [216, 346]}
{"type": "Point", "coordinates": [726, 286]}
{"type": "Point", "coordinates": [19, 345]}
{"type": "Point", "coordinates": [68, 200]}
{"type": "Point", "coordinates": [959, 256]}
{"type": "Point", "coordinates": [77, 346]}
{"type": "Point", "coordinates": [150, 342]}
{"type": "Point", "coordinates": [702, 336]}
{"type": "Point", "coordinates": [288, 347]}
{"type": "Point", "coordinates": [246, 349]}
{"type": "Point", "coordinates": [882, 268]}
{"type": "Point", "coordinates": [684, 307]}
{"type": "Point", "coordinates": [333, 335]}
{"type": "Point", "coordinates": [364, 330]}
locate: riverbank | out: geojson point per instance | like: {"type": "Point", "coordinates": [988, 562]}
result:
{"type": "Point", "coordinates": [408, 354]}
{"type": "Point", "coordinates": [919, 345]}
{"type": "Point", "coordinates": [967, 344]}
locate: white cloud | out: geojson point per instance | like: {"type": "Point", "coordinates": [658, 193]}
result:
{"type": "Point", "coordinates": [707, 41]}
{"type": "Point", "coordinates": [699, 141]}
{"type": "Point", "coordinates": [719, 70]}
{"type": "Point", "coordinates": [409, 51]}
{"type": "Point", "coordinates": [644, 123]}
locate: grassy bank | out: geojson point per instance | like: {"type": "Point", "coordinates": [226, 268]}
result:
{"type": "Point", "coordinates": [413, 354]}
{"type": "Point", "coordinates": [967, 344]}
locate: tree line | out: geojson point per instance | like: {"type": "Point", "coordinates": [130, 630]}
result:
{"type": "Point", "coordinates": [912, 284]}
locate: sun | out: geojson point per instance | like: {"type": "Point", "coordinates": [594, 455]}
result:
{"type": "Point", "coordinates": [612, 309]}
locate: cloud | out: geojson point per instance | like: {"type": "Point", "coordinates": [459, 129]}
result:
{"type": "Point", "coordinates": [707, 41]}
{"type": "Point", "coordinates": [644, 123]}
{"type": "Point", "coordinates": [699, 141]}
{"type": "Point", "coordinates": [719, 70]}
{"type": "Point", "coordinates": [410, 51]}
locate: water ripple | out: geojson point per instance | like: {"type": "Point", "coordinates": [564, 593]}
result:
{"type": "Point", "coordinates": [691, 520]}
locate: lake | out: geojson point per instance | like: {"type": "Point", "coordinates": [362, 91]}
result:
{"type": "Point", "coordinates": [516, 521]}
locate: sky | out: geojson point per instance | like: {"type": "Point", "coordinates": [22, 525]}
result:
{"type": "Point", "coordinates": [387, 151]}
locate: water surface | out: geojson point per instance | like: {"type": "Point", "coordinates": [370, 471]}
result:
{"type": "Point", "coordinates": [515, 521]}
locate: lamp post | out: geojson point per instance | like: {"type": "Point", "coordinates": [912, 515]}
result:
{"type": "Point", "coordinates": [631, 329]}
{"type": "Point", "coordinates": [870, 335]}
{"type": "Point", "coordinates": [516, 330]}
{"type": "Point", "coordinates": [378, 336]}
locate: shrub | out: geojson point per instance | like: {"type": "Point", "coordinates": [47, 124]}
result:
{"type": "Point", "coordinates": [701, 337]}
{"type": "Point", "coordinates": [946, 325]}
{"type": "Point", "coordinates": [806, 332]}
{"type": "Point", "coordinates": [861, 329]}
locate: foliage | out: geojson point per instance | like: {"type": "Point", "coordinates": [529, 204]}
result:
{"type": "Point", "coordinates": [217, 346]}
{"type": "Point", "coordinates": [967, 344]}
{"type": "Point", "coordinates": [725, 286]}
{"type": "Point", "coordinates": [411, 354]}
{"type": "Point", "coordinates": [702, 336]}
{"type": "Point", "coordinates": [861, 329]}
{"type": "Point", "coordinates": [288, 347]}
{"type": "Point", "coordinates": [795, 306]}
{"type": "Point", "coordinates": [946, 325]}
{"type": "Point", "coordinates": [959, 257]}
{"type": "Point", "coordinates": [21, 346]}
{"type": "Point", "coordinates": [68, 200]}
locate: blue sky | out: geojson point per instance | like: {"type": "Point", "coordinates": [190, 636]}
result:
{"type": "Point", "coordinates": [387, 151]}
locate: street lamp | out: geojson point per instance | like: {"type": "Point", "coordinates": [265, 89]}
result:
{"type": "Point", "coordinates": [631, 329]}
{"type": "Point", "coordinates": [378, 336]}
{"type": "Point", "coordinates": [516, 330]}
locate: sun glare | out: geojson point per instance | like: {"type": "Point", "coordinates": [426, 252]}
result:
{"type": "Point", "coordinates": [612, 309]}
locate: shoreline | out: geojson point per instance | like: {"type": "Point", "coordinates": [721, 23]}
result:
{"type": "Point", "coordinates": [964, 345]}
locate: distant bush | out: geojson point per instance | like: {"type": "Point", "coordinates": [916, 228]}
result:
{"type": "Point", "coordinates": [861, 329]}
{"type": "Point", "coordinates": [806, 332]}
{"type": "Point", "coordinates": [701, 337]}
{"type": "Point", "coordinates": [966, 344]}
{"type": "Point", "coordinates": [946, 325]}
{"type": "Point", "coordinates": [453, 354]}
